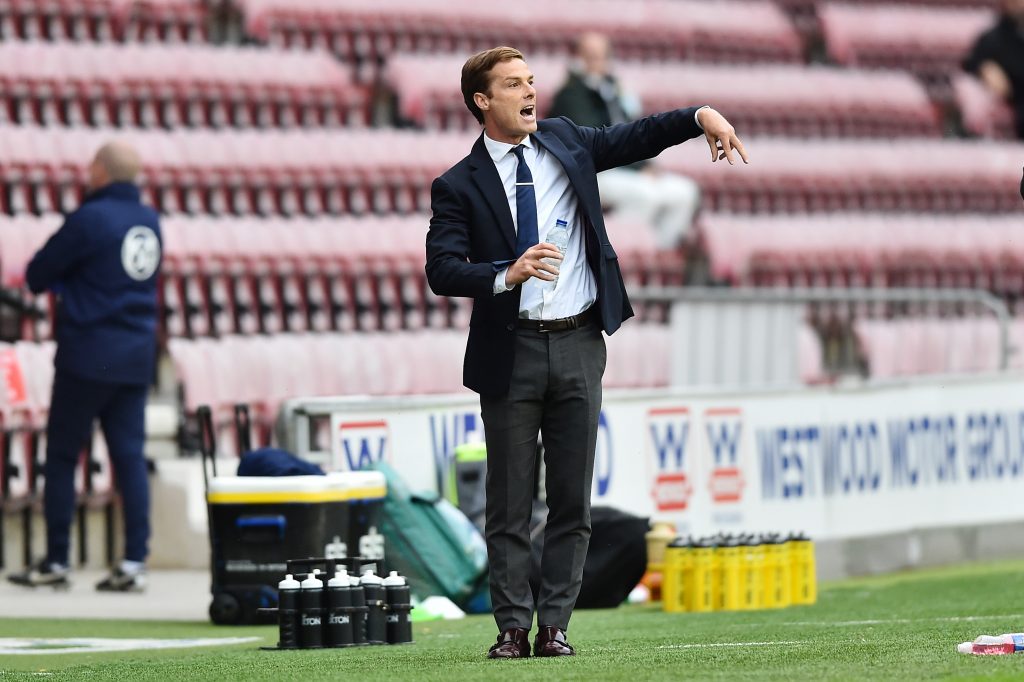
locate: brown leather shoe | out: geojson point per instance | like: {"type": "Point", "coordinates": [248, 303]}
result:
{"type": "Point", "coordinates": [512, 643]}
{"type": "Point", "coordinates": [550, 641]}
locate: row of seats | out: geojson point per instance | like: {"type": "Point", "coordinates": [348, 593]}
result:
{"type": "Point", "coordinates": [763, 99]}
{"type": "Point", "coordinates": [714, 30]}
{"type": "Point", "coordinates": [250, 369]}
{"type": "Point", "coordinates": [929, 41]}
{"type": "Point", "coordinates": [796, 176]}
{"type": "Point", "coordinates": [170, 85]}
{"type": "Point", "coordinates": [237, 275]}
{"type": "Point", "coordinates": [265, 370]}
{"type": "Point", "coordinates": [105, 20]}
{"type": "Point", "coordinates": [313, 172]}
{"type": "Point", "coordinates": [863, 246]}
{"type": "Point", "coordinates": [915, 346]}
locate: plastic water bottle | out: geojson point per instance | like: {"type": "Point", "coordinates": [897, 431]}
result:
{"type": "Point", "coordinates": [558, 236]}
{"type": "Point", "coordinates": [399, 603]}
{"type": "Point", "coordinates": [339, 606]}
{"type": "Point", "coordinates": [288, 613]}
{"type": "Point", "coordinates": [311, 611]}
{"type": "Point", "coordinates": [994, 645]}
{"type": "Point", "coordinates": [376, 618]}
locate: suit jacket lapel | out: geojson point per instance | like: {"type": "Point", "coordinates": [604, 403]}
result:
{"type": "Point", "coordinates": [572, 170]}
{"type": "Point", "coordinates": [485, 175]}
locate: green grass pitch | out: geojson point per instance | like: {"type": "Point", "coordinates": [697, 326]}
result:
{"type": "Point", "coordinates": [902, 627]}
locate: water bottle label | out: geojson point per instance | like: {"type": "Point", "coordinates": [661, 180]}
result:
{"type": "Point", "coordinates": [1018, 641]}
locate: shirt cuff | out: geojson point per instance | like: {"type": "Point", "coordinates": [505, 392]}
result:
{"type": "Point", "coordinates": [499, 282]}
{"type": "Point", "coordinates": [696, 117]}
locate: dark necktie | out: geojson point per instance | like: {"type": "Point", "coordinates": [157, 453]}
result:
{"type": "Point", "coordinates": [526, 205]}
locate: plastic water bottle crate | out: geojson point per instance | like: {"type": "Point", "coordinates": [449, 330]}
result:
{"type": "Point", "coordinates": [328, 604]}
{"type": "Point", "coordinates": [741, 573]}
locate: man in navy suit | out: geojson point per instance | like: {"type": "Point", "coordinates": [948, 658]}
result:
{"type": "Point", "coordinates": [103, 265]}
{"type": "Point", "coordinates": [517, 226]}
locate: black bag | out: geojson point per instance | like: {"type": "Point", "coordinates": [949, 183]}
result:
{"type": "Point", "coordinates": [615, 562]}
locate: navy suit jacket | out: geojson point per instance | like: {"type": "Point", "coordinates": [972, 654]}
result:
{"type": "Point", "coordinates": [104, 263]}
{"type": "Point", "coordinates": [472, 236]}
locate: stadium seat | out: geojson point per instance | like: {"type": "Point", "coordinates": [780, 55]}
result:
{"type": "Point", "coordinates": [885, 249]}
{"type": "Point", "coordinates": [858, 175]}
{"type": "Point", "coordinates": [927, 41]}
{"type": "Point", "coordinates": [723, 30]}
{"type": "Point", "coordinates": [918, 346]}
{"type": "Point", "coordinates": [105, 20]}
{"type": "Point", "coordinates": [762, 99]}
{"type": "Point", "coordinates": [164, 85]}
{"type": "Point", "coordinates": [981, 112]}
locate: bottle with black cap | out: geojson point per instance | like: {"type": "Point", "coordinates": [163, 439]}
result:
{"type": "Point", "coordinates": [311, 631]}
{"type": "Point", "coordinates": [358, 611]}
{"type": "Point", "coordinates": [288, 613]}
{"type": "Point", "coordinates": [399, 604]}
{"type": "Point", "coordinates": [376, 623]}
{"type": "Point", "coordinates": [339, 607]}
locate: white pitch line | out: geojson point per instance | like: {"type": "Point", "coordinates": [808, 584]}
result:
{"type": "Point", "coordinates": [886, 621]}
{"type": "Point", "coordinates": [730, 644]}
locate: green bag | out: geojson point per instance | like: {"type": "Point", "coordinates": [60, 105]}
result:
{"type": "Point", "coordinates": [433, 545]}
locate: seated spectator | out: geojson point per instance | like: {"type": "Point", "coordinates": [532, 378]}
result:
{"type": "Point", "coordinates": [997, 58]}
{"type": "Point", "coordinates": [592, 97]}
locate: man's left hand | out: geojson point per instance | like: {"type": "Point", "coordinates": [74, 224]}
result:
{"type": "Point", "coordinates": [721, 136]}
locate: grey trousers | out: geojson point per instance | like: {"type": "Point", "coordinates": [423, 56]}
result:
{"type": "Point", "coordinates": [555, 391]}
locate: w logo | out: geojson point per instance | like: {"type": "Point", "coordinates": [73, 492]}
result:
{"type": "Point", "coordinates": [363, 444]}
{"type": "Point", "coordinates": [668, 435]}
{"type": "Point", "coordinates": [724, 429]}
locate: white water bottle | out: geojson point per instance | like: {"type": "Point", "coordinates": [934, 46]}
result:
{"type": "Point", "coordinates": [558, 236]}
{"type": "Point", "coordinates": [990, 645]}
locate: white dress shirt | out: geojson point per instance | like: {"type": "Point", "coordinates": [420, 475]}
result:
{"type": "Point", "coordinates": [575, 290]}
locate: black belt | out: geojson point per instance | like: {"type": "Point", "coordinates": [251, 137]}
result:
{"type": "Point", "coordinates": [561, 324]}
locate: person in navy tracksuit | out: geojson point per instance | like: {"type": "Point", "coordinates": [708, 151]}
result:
{"type": "Point", "coordinates": [102, 265]}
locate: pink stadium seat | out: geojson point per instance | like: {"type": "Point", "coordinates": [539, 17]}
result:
{"type": "Point", "coordinates": [916, 346]}
{"type": "Point", "coordinates": [731, 30]}
{"type": "Point", "coordinates": [876, 247]}
{"type": "Point", "coordinates": [810, 356]}
{"type": "Point", "coordinates": [159, 84]}
{"type": "Point", "coordinates": [981, 112]}
{"type": "Point", "coordinates": [928, 41]}
{"type": "Point", "coordinates": [831, 175]}
{"type": "Point", "coordinates": [759, 99]}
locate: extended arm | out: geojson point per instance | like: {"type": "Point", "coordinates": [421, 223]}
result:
{"type": "Point", "coordinates": [67, 247]}
{"type": "Point", "coordinates": [627, 143]}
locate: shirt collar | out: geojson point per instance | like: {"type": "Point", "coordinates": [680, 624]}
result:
{"type": "Point", "coordinates": [497, 150]}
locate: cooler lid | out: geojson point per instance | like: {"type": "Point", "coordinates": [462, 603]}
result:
{"type": "Point", "coordinates": [360, 485]}
{"type": "Point", "coordinates": [273, 490]}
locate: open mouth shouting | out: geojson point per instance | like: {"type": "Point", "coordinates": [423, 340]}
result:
{"type": "Point", "coordinates": [528, 113]}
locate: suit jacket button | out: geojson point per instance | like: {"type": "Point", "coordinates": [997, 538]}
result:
{"type": "Point", "coordinates": [510, 326]}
